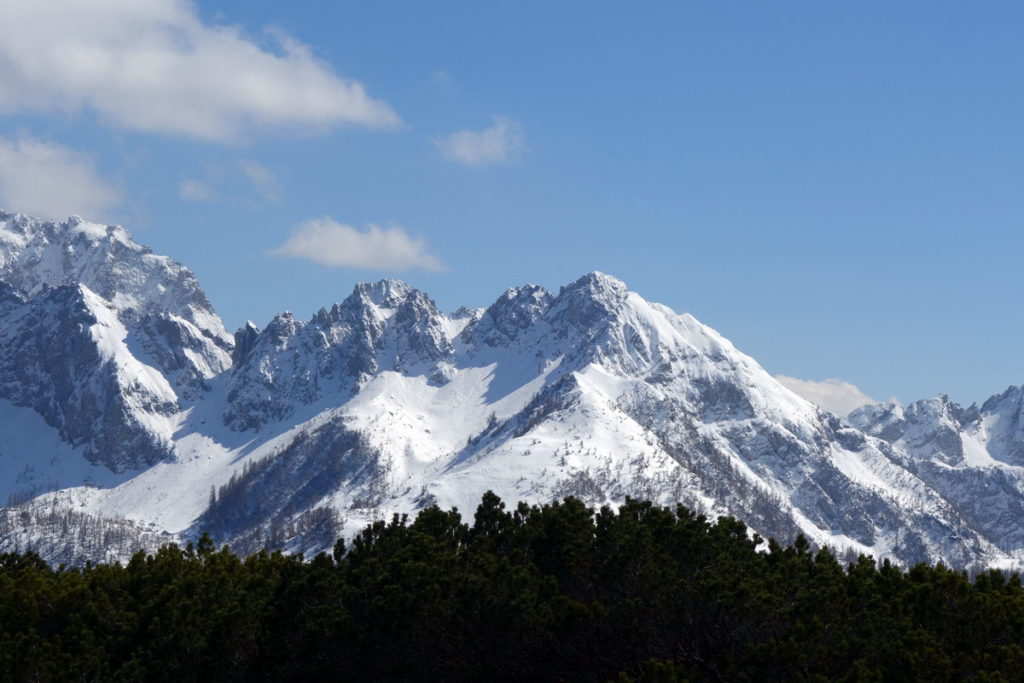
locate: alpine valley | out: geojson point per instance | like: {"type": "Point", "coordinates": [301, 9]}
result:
{"type": "Point", "coordinates": [131, 418]}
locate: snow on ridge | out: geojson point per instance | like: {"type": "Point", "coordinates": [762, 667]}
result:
{"type": "Point", "coordinates": [382, 404]}
{"type": "Point", "coordinates": [35, 253]}
{"type": "Point", "coordinates": [110, 335]}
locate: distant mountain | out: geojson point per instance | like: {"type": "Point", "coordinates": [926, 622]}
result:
{"type": "Point", "coordinates": [973, 457]}
{"type": "Point", "coordinates": [123, 398]}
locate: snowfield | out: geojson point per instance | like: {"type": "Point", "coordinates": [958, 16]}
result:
{"type": "Point", "coordinates": [124, 402]}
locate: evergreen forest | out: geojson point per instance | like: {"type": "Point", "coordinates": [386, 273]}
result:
{"type": "Point", "coordinates": [559, 592]}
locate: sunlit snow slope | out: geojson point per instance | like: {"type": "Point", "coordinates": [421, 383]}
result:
{"type": "Point", "coordinates": [124, 400]}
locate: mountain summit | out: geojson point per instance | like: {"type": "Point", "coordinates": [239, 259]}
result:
{"type": "Point", "coordinates": [124, 399]}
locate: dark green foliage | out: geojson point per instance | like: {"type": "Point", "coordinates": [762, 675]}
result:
{"type": "Point", "coordinates": [559, 592]}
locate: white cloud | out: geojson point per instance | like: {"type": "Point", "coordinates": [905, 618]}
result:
{"type": "Point", "coordinates": [155, 66]}
{"type": "Point", "coordinates": [195, 191]}
{"type": "Point", "coordinates": [330, 243]}
{"type": "Point", "coordinates": [833, 395]}
{"type": "Point", "coordinates": [502, 142]}
{"type": "Point", "coordinates": [52, 181]}
{"type": "Point", "coordinates": [262, 179]}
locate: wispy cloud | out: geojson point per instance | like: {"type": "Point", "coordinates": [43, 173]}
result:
{"type": "Point", "coordinates": [233, 182]}
{"type": "Point", "coordinates": [155, 66]}
{"type": "Point", "coordinates": [833, 395]}
{"type": "Point", "coordinates": [262, 180]}
{"type": "Point", "coordinates": [330, 243]}
{"type": "Point", "coordinates": [503, 141]}
{"type": "Point", "coordinates": [191, 190]}
{"type": "Point", "coordinates": [52, 181]}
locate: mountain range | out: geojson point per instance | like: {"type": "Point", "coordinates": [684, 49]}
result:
{"type": "Point", "coordinates": [131, 417]}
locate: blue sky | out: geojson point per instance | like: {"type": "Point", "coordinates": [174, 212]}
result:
{"type": "Point", "coordinates": [836, 187]}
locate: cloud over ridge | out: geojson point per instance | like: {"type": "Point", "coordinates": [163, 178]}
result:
{"type": "Point", "coordinates": [834, 395]}
{"type": "Point", "coordinates": [154, 66]}
{"type": "Point", "coordinates": [330, 243]}
{"type": "Point", "coordinates": [52, 181]}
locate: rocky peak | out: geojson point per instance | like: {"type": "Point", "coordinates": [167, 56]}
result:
{"type": "Point", "coordinates": [36, 253]}
{"type": "Point", "coordinates": [390, 314]}
{"type": "Point", "coordinates": [387, 293]}
{"type": "Point", "coordinates": [515, 311]}
{"type": "Point", "coordinates": [597, 287]}
{"type": "Point", "coordinates": [938, 409]}
{"type": "Point", "coordinates": [169, 320]}
{"type": "Point", "coordinates": [420, 336]}
{"type": "Point", "coordinates": [1011, 397]}
{"type": "Point", "coordinates": [283, 327]}
{"type": "Point", "coordinates": [642, 402]}
{"type": "Point", "coordinates": [378, 301]}
{"type": "Point", "coordinates": [587, 304]}
{"type": "Point", "coordinates": [884, 420]}
{"type": "Point", "coordinates": [245, 339]}
{"type": "Point", "coordinates": [929, 429]}
{"type": "Point", "coordinates": [1005, 413]}
{"type": "Point", "coordinates": [385, 325]}
{"type": "Point", "coordinates": [465, 312]}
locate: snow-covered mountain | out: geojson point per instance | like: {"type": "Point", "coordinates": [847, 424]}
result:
{"type": "Point", "coordinates": [168, 320]}
{"type": "Point", "coordinates": [124, 400]}
{"type": "Point", "coordinates": [973, 457]}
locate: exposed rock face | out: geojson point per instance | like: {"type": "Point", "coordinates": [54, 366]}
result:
{"type": "Point", "coordinates": [515, 312]}
{"type": "Point", "coordinates": [159, 301]}
{"type": "Point", "coordinates": [605, 395]}
{"type": "Point", "coordinates": [1004, 425]}
{"type": "Point", "coordinates": [383, 404]}
{"type": "Point", "coordinates": [383, 326]}
{"type": "Point", "coordinates": [973, 457]}
{"type": "Point", "coordinates": [928, 429]}
{"type": "Point", "coordinates": [103, 338]}
{"type": "Point", "coordinates": [64, 354]}
{"type": "Point", "coordinates": [36, 253]}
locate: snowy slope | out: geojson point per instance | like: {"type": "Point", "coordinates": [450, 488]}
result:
{"type": "Point", "coordinates": [974, 457]}
{"type": "Point", "coordinates": [65, 354]}
{"type": "Point", "coordinates": [288, 435]}
{"type": "Point", "coordinates": [168, 318]}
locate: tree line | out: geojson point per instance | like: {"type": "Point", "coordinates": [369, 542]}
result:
{"type": "Point", "coordinates": [553, 592]}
